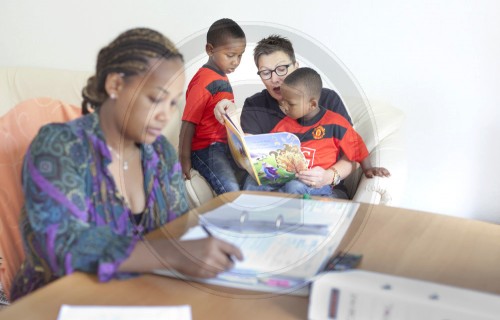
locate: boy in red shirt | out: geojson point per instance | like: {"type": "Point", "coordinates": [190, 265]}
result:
{"type": "Point", "coordinates": [322, 134]}
{"type": "Point", "coordinates": [203, 140]}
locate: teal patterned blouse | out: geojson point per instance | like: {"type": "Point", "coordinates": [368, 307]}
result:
{"type": "Point", "coordinates": [74, 219]}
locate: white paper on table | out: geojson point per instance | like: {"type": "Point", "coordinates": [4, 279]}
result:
{"type": "Point", "coordinates": [314, 229]}
{"type": "Point", "coordinates": [71, 312]}
{"type": "Point", "coordinates": [276, 258]}
{"type": "Point", "coordinates": [299, 255]}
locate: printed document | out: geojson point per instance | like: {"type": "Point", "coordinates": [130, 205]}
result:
{"type": "Point", "coordinates": [285, 241]}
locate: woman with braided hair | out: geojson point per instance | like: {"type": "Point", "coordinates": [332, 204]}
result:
{"type": "Point", "coordinates": [95, 186]}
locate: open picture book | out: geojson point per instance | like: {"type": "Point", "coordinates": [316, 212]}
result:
{"type": "Point", "coordinates": [271, 158]}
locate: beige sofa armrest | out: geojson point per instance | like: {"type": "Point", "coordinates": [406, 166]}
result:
{"type": "Point", "coordinates": [198, 189]}
{"type": "Point", "coordinates": [381, 128]}
{"type": "Point", "coordinates": [389, 153]}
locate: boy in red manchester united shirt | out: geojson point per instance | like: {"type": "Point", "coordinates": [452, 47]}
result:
{"type": "Point", "coordinates": [322, 134]}
{"type": "Point", "coordinates": [203, 140]}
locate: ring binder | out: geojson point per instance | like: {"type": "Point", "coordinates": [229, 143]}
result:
{"type": "Point", "coordinates": [243, 217]}
{"type": "Point", "coordinates": [279, 221]}
{"type": "Point", "coordinates": [283, 246]}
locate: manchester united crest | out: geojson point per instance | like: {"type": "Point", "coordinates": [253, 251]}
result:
{"type": "Point", "coordinates": [318, 132]}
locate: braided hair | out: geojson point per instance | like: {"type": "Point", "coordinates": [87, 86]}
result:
{"type": "Point", "coordinates": [129, 55]}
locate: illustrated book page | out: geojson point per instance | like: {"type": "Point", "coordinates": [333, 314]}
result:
{"type": "Point", "coordinates": [271, 158]}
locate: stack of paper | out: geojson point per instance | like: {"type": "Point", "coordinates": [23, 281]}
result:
{"type": "Point", "coordinates": [285, 241]}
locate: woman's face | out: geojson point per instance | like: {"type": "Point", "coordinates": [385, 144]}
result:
{"type": "Point", "coordinates": [147, 102]}
{"type": "Point", "coordinates": [269, 63]}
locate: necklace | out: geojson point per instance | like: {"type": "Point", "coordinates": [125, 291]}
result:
{"type": "Point", "coordinates": [125, 161]}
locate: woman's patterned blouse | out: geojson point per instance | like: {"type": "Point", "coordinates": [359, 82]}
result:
{"type": "Point", "coordinates": [74, 218]}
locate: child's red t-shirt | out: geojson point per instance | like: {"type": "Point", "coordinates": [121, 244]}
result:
{"type": "Point", "coordinates": [206, 89]}
{"type": "Point", "coordinates": [322, 137]}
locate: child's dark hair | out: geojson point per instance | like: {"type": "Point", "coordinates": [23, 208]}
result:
{"type": "Point", "coordinates": [308, 79]}
{"type": "Point", "coordinates": [272, 44]}
{"type": "Point", "coordinates": [221, 29]}
{"type": "Point", "coordinates": [128, 54]}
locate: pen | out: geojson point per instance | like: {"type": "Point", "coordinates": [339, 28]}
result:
{"type": "Point", "coordinates": [210, 235]}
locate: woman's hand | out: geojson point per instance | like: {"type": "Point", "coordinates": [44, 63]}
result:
{"type": "Point", "coordinates": [222, 107]}
{"type": "Point", "coordinates": [203, 258]}
{"type": "Point", "coordinates": [316, 177]}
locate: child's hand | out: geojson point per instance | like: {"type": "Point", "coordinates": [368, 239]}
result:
{"type": "Point", "coordinates": [222, 107]}
{"type": "Point", "coordinates": [377, 171]}
{"type": "Point", "coordinates": [186, 168]}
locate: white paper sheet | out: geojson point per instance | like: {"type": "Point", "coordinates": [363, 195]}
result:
{"type": "Point", "coordinates": [71, 312]}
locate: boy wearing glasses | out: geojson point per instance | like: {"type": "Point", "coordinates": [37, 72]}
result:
{"type": "Point", "coordinates": [322, 134]}
{"type": "Point", "coordinates": [203, 140]}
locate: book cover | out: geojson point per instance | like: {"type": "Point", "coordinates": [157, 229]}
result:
{"type": "Point", "coordinates": [271, 158]}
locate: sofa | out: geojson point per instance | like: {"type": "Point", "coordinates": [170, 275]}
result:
{"type": "Point", "coordinates": [380, 125]}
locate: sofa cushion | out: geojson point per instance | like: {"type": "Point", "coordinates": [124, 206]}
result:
{"type": "Point", "coordinates": [17, 128]}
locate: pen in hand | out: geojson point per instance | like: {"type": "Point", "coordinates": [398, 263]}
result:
{"type": "Point", "coordinates": [210, 235]}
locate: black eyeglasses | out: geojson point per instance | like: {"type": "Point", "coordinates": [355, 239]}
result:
{"type": "Point", "coordinates": [279, 70]}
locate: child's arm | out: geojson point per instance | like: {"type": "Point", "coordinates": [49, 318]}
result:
{"type": "Point", "coordinates": [370, 171]}
{"type": "Point", "coordinates": [185, 139]}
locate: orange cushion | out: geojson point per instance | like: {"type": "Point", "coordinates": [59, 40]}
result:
{"type": "Point", "coordinates": [17, 128]}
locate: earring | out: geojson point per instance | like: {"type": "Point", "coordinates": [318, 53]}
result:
{"type": "Point", "coordinates": [112, 96]}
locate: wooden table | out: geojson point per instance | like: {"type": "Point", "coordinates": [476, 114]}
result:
{"type": "Point", "coordinates": [443, 249]}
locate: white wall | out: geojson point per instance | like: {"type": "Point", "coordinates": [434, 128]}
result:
{"type": "Point", "coordinates": [438, 61]}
